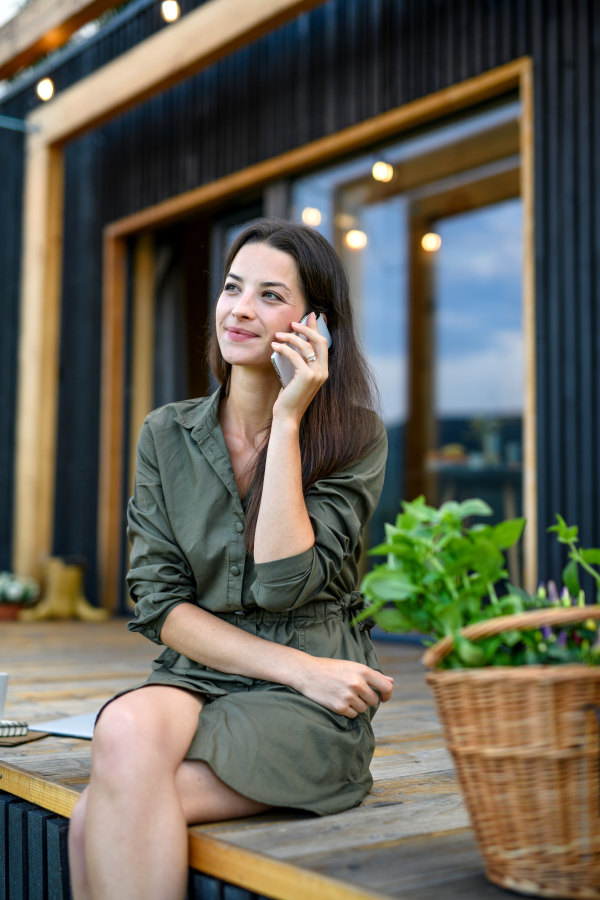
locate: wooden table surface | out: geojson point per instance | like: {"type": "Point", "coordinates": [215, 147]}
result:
{"type": "Point", "coordinates": [409, 839]}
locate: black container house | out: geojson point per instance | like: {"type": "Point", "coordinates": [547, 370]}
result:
{"type": "Point", "coordinates": [449, 149]}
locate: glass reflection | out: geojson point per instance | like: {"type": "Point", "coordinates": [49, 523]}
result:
{"type": "Point", "coordinates": [428, 228]}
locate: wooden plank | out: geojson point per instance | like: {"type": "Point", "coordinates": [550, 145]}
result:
{"type": "Point", "coordinates": [112, 421]}
{"type": "Point", "coordinates": [142, 343]}
{"type": "Point", "coordinates": [198, 39]}
{"type": "Point", "coordinates": [421, 422]}
{"type": "Point", "coordinates": [54, 797]}
{"type": "Point", "coordinates": [257, 872]}
{"type": "Point", "coordinates": [427, 867]}
{"type": "Point", "coordinates": [530, 486]}
{"type": "Point", "coordinates": [37, 400]}
{"type": "Point", "coordinates": [43, 26]}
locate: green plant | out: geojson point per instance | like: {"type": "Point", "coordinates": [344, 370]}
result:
{"type": "Point", "coordinates": [15, 589]}
{"type": "Point", "coordinates": [577, 557]}
{"type": "Point", "coordinates": [441, 575]}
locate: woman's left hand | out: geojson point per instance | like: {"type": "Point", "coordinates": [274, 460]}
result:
{"type": "Point", "coordinates": [310, 375]}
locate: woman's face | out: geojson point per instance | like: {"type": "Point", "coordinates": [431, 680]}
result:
{"type": "Point", "coordinates": [261, 296]}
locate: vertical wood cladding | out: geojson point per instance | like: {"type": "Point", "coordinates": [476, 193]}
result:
{"type": "Point", "coordinates": [343, 62]}
{"type": "Point", "coordinates": [11, 180]}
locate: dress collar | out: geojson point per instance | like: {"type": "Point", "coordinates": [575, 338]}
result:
{"type": "Point", "coordinates": [201, 416]}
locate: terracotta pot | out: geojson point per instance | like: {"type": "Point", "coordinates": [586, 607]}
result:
{"type": "Point", "coordinates": [9, 610]}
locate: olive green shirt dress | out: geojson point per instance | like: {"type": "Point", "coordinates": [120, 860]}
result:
{"type": "Point", "coordinates": [186, 526]}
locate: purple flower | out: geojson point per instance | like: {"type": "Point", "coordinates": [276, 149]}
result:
{"type": "Point", "coordinates": [546, 632]}
{"type": "Point", "coordinates": [562, 638]}
{"type": "Point", "coordinates": [553, 591]}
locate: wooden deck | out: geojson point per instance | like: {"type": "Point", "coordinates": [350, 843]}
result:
{"type": "Point", "coordinates": [410, 838]}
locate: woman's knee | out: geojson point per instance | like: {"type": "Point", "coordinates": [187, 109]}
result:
{"type": "Point", "coordinates": [122, 738]}
{"type": "Point", "coordinates": [143, 731]}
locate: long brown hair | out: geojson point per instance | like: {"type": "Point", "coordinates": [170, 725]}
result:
{"type": "Point", "coordinates": [337, 428]}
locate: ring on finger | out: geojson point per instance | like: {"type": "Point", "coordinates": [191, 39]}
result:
{"type": "Point", "coordinates": [311, 357]}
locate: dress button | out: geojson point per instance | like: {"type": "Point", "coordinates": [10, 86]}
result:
{"type": "Point", "coordinates": [151, 633]}
{"type": "Point", "coordinates": [234, 570]}
{"type": "Point", "coordinates": [238, 527]}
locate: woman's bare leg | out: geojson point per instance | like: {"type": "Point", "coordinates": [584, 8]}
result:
{"type": "Point", "coordinates": [128, 831]}
{"type": "Point", "coordinates": [205, 798]}
{"type": "Point", "coordinates": [135, 830]}
{"type": "Point", "coordinates": [77, 865]}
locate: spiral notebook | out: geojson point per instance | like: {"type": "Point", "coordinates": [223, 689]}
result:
{"type": "Point", "coordinates": [12, 729]}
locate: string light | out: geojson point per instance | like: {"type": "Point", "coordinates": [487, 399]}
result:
{"type": "Point", "coordinates": [45, 88]}
{"type": "Point", "coordinates": [382, 171]}
{"type": "Point", "coordinates": [311, 216]}
{"type": "Point", "coordinates": [356, 240]}
{"type": "Point", "coordinates": [169, 10]}
{"type": "Point", "coordinates": [431, 242]}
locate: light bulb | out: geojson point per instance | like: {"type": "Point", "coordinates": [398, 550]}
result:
{"type": "Point", "coordinates": [311, 216]}
{"type": "Point", "coordinates": [169, 10]}
{"type": "Point", "coordinates": [45, 88]}
{"type": "Point", "coordinates": [431, 241]}
{"type": "Point", "coordinates": [382, 171]}
{"type": "Point", "coordinates": [356, 240]}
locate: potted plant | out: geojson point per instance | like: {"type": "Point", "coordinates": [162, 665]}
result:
{"type": "Point", "coordinates": [516, 679]}
{"type": "Point", "coordinates": [16, 592]}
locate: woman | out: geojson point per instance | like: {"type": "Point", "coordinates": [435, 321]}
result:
{"type": "Point", "coordinates": [246, 528]}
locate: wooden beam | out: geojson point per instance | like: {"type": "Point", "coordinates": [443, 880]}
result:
{"type": "Point", "coordinates": [265, 875]}
{"type": "Point", "coordinates": [42, 26]}
{"type": "Point", "coordinates": [37, 399]}
{"type": "Point", "coordinates": [142, 344]}
{"type": "Point", "coordinates": [421, 426]}
{"type": "Point", "coordinates": [198, 39]}
{"type": "Point", "coordinates": [56, 797]}
{"type": "Point", "coordinates": [378, 128]}
{"type": "Point", "coordinates": [112, 421]}
{"type": "Point", "coordinates": [530, 487]}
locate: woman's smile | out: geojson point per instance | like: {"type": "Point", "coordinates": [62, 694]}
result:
{"type": "Point", "coordinates": [240, 334]}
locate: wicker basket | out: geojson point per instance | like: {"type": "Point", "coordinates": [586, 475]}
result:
{"type": "Point", "coordinates": [526, 747]}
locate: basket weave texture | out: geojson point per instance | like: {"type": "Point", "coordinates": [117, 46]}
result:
{"type": "Point", "coordinates": [526, 746]}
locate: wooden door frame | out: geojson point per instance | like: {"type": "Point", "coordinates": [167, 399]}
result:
{"type": "Point", "coordinates": [517, 74]}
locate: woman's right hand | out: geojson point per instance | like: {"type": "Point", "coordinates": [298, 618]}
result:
{"type": "Point", "coordinates": [344, 687]}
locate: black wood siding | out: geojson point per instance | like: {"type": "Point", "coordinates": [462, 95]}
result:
{"type": "Point", "coordinates": [341, 63]}
{"type": "Point", "coordinates": [11, 179]}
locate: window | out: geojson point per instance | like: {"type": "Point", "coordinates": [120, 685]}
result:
{"type": "Point", "coordinates": [429, 231]}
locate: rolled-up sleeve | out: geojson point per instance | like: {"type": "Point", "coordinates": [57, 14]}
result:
{"type": "Point", "coordinates": [339, 507]}
{"type": "Point", "coordinates": [160, 577]}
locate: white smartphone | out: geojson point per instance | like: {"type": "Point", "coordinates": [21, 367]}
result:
{"type": "Point", "coordinates": [284, 368]}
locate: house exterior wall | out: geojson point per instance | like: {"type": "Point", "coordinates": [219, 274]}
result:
{"type": "Point", "coordinates": [343, 62]}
